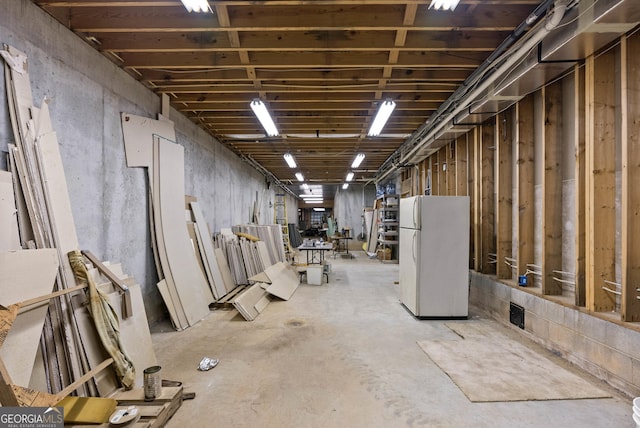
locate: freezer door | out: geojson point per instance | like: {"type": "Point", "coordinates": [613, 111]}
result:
{"type": "Point", "coordinates": [410, 212]}
{"type": "Point", "coordinates": [409, 248]}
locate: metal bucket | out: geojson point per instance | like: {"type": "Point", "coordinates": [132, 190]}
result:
{"type": "Point", "coordinates": [152, 383]}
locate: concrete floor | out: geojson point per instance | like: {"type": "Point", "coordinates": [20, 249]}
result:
{"type": "Point", "coordinates": [344, 354]}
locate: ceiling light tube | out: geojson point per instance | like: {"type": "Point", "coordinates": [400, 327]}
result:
{"type": "Point", "coordinates": [350, 176]}
{"type": "Point", "coordinates": [318, 209]}
{"type": "Point", "coordinates": [305, 186]}
{"type": "Point", "coordinates": [264, 117]}
{"type": "Point", "coordinates": [444, 4]}
{"type": "Point", "coordinates": [345, 185]}
{"type": "Point", "coordinates": [311, 195]}
{"type": "Point", "coordinates": [358, 160]}
{"type": "Point", "coordinates": [197, 5]}
{"type": "Point", "coordinates": [299, 176]}
{"type": "Point", "coordinates": [385, 110]}
{"type": "Point", "coordinates": [290, 160]}
{"type": "Point", "coordinates": [314, 201]}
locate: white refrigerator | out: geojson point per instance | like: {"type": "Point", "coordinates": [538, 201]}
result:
{"type": "Point", "coordinates": [434, 256]}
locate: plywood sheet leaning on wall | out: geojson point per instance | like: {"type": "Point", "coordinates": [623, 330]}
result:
{"type": "Point", "coordinates": [187, 276]}
{"type": "Point", "coordinates": [9, 239]}
{"type": "Point", "coordinates": [209, 258]}
{"type": "Point", "coordinates": [149, 143]}
{"type": "Point", "coordinates": [24, 275]}
{"type": "Point", "coordinates": [224, 269]}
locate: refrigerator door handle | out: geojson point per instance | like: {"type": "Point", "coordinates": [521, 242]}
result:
{"type": "Point", "coordinates": [414, 247]}
{"type": "Point", "coordinates": [415, 208]}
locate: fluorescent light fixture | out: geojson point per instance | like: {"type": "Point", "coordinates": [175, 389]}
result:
{"type": "Point", "coordinates": [358, 160]}
{"type": "Point", "coordinates": [345, 185]}
{"type": "Point", "coordinates": [290, 160]}
{"type": "Point", "coordinates": [311, 195]}
{"type": "Point", "coordinates": [385, 110]}
{"type": "Point", "coordinates": [314, 201]}
{"type": "Point", "coordinates": [264, 117]}
{"type": "Point", "coordinates": [197, 5]}
{"type": "Point", "coordinates": [318, 209]}
{"type": "Point", "coordinates": [350, 176]}
{"type": "Point", "coordinates": [299, 176]}
{"type": "Point", "coordinates": [444, 4]}
{"type": "Point", "coordinates": [305, 186]}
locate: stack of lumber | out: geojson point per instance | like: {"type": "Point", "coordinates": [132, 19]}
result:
{"type": "Point", "coordinates": [49, 342]}
{"type": "Point", "coordinates": [270, 234]}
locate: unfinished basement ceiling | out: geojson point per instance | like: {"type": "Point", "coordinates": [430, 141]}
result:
{"type": "Point", "coordinates": [322, 67]}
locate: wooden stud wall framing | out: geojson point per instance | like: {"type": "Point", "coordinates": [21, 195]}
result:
{"type": "Point", "coordinates": [435, 174]}
{"type": "Point", "coordinates": [450, 150]}
{"type": "Point", "coordinates": [601, 188]}
{"type": "Point", "coordinates": [579, 174]}
{"type": "Point", "coordinates": [471, 191]}
{"type": "Point", "coordinates": [630, 89]}
{"type": "Point", "coordinates": [504, 192]}
{"type": "Point", "coordinates": [477, 194]}
{"type": "Point", "coordinates": [461, 156]}
{"type": "Point", "coordinates": [487, 213]}
{"type": "Point", "coordinates": [552, 189]}
{"type": "Point", "coordinates": [525, 186]}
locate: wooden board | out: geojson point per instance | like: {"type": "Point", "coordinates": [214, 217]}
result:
{"type": "Point", "coordinates": [525, 184]}
{"type": "Point", "coordinates": [24, 275]}
{"type": "Point", "coordinates": [284, 280]}
{"type": "Point", "coordinates": [264, 254]}
{"type": "Point", "coordinates": [166, 296]}
{"type": "Point", "coordinates": [57, 199]}
{"type": "Point", "coordinates": [9, 239]}
{"type": "Point", "coordinates": [224, 269]}
{"type": "Point", "coordinates": [209, 290]}
{"type": "Point", "coordinates": [466, 360]}
{"type": "Point", "coordinates": [504, 193]}
{"type": "Point", "coordinates": [204, 237]}
{"type": "Point", "coordinates": [552, 189]}
{"type": "Point", "coordinates": [138, 135]}
{"type": "Point", "coordinates": [187, 277]}
{"type": "Point", "coordinates": [249, 302]}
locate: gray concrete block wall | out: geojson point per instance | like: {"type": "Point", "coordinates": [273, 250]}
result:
{"type": "Point", "coordinates": [605, 349]}
{"type": "Point", "coordinates": [87, 93]}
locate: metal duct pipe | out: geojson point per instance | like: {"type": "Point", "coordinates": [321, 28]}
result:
{"type": "Point", "coordinates": [559, 10]}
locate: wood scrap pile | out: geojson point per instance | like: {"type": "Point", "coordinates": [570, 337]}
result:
{"type": "Point", "coordinates": [49, 346]}
{"type": "Point", "coordinates": [252, 267]}
{"type": "Point", "coordinates": [280, 280]}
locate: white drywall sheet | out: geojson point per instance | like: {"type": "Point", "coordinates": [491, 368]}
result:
{"type": "Point", "coordinates": [207, 244]}
{"type": "Point", "coordinates": [9, 239]}
{"type": "Point", "coordinates": [187, 276]}
{"type": "Point", "coordinates": [181, 318]}
{"type": "Point", "coordinates": [225, 271]}
{"type": "Point", "coordinates": [284, 280]}
{"type": "Point", "coordinates": [24, 275]}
